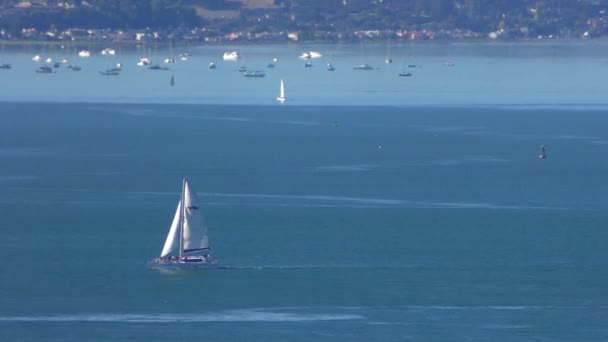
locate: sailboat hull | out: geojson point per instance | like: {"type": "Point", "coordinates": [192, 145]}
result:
{"type": "Point", "coordinates": [183, 264]}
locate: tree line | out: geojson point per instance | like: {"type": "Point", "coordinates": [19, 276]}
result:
{"type": "Point", "coordinates": [537, 16]}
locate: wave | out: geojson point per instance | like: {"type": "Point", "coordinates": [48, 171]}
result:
{"type": "Point", "coordinates": [443, 162]}
{"type": "Point", "coordinates": [358, 202]}
{"type": "Point", "coordinates": [342, 168]}
{"type": "Point", "coordinates": [313, 201]}
{"type": "Point", "coordinates": [267, 121]}
{"type": "Point", "coordinates": [586, 139]}
{"type": "Point", "coordinates": [285, 314]}
{"type": "Point", "coordinates": [223, 316]}
{"type": "Point", "coordinates": [564, 106]}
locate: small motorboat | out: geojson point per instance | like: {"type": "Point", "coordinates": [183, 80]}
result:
{"type": "Point", "coordinates": [363, 67]}
{"type": "Point", "coordinates": [231, 56]}
{"type": "Point", "coordinates": [158, 67]}
{"type": "Point", "coordinates": [109, 73]}
{"type": "Point", "coordinates": [44, 70]}
{"type": "Point", "coordinates": [144, 61]}
{"type": "Point", "coordinates": [255, 74]}
{"type": "Point", "coordinates": [108, 51]}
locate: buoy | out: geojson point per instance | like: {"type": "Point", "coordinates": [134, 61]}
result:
{"type": "Point", "coordinates": [542, 152]}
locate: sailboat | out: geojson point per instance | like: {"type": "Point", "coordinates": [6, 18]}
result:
{"type": "Point", "coordinates": [282, 97]}
{"type": "Point", "coordinates": [3, 65]}
{"type": "Point", "coordinates": [388, 59]}
{"type": "Point", "coordinates": [187, 244]}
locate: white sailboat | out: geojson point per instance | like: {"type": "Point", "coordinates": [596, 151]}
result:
{"type": "Point", "coordinates": [282, 97]}
{"type": "Point", "coordinates": [187, 244]}
{"type": "Point", "coordinates": [388, 59]}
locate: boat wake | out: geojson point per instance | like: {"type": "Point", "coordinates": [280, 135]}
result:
{"type": "Point", "coordinates": [220, 267]}
{"type": "Point", "coordinates": [314, 267]}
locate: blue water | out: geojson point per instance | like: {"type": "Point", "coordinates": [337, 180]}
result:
{"type": "Point", "coordinates": [352, 220]}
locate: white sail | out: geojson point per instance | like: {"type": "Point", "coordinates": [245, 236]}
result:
{"type": "Point", "coordinates": [282, 97]}
{"type": "Point", "coordinates": [172, 242]}
{"type": "Point", "coordinates": [194, 236]}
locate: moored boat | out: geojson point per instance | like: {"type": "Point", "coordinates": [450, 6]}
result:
{"type": "Point", "coordinates": [255, 73]}
{"type": "Point", "coordinates": [363, 67]}
{"type": "Point", "coordinates": [231, 56]}
{"type": "Point", "coordinates": [45, 69]}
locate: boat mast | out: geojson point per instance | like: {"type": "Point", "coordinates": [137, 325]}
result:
{"type": "Point", "coordinates": [182, 217]}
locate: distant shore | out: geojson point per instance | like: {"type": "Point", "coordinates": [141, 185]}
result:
{"type": "Point", "coordinates": [82, 43]}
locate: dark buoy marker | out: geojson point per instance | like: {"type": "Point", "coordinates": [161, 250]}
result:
{"type": "Point", "coordinates": [542, 152]}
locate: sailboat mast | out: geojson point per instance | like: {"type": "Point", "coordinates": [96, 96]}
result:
{"type": "Point", "coordinates": [182, 217]}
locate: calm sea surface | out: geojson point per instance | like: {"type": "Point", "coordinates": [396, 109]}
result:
{"type": "Point", "coordinates": [369, 207]}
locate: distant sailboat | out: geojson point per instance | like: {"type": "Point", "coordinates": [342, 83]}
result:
{"type": "Point", "coordinates": [187, 244]}
{"type": "Point", "coordinates": [282, 97]}
{"type": "Point", "coordinates": [172, 81]}
{"type": "Point", "coordinates": [3, 65]}
{"type": "Point", "coordinates": [330, 65]}
{"type": "Point", "coordinates": [388, 59]}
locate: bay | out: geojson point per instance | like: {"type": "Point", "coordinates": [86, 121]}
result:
{"type": "Point", "coordinates": [392, 214]}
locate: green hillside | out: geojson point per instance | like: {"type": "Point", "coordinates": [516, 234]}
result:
{"type": "Point", "coordinates": [316, 18]}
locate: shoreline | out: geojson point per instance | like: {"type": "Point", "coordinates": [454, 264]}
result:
{"type": "Point", "coordinates": [304, 43]}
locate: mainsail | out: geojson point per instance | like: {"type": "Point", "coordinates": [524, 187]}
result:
{"type": "Point", "coordinates": [188, 228]}
{"type": "Point", "coordinates": [194, 230]}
